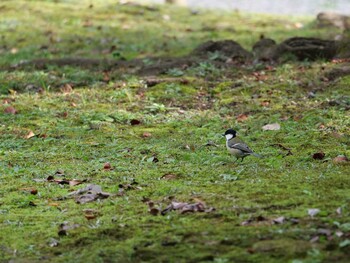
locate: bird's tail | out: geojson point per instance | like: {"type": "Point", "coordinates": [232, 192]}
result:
{"type": "Point", "coordinates": [257, 155]}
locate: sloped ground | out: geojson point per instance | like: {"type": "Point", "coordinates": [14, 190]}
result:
{"type": "Point", "coordinates": [151, 141]}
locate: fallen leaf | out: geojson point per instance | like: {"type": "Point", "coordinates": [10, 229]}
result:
{"type": "Point", "coordinates": [42, 135]}
{"type": "Point", "coordinates": [318, 156]}
{"type": "Point", "coordinates": [130, 186]}
{"type": "Point", "coordinates": [146, 135]}
{"type": "Point", "coordinates": [76, 182]}
{"type": "Point", "coordinates": [90, 213]}
{"type": "Point", "coordinates": [29, 135]}
{"type": "Point", "coordinates": [340, 159]}
{"type": "Point", "coordinates": [107, 166]}
{"type": "Point", "coordinates": [10, 110]}
{"type": "Point", "coordinates": [242, 117]}
{"type": "Point", "coordinates": [51, 178]}
{"type": "Point", "coordinates": [66, 89]}
{"type": "Point", "coordinates": [187, 208]}
{"type": "Point", "coordinates": [265, 103]}
{"type": "Point", "coordinates": [169, 177]}
{"type": "Point", "coordinates": [271, 127]}
{"type": "Point", "coordinates": [89, 197]}
{"type": "Point", "coordinates": [279, 220]}
{"type": "Point", "coordinates": [89, 193]}
{"type": "Point", "coordinates": [154, 211]}
{"type": "Point", "coordinates": [313, 211]}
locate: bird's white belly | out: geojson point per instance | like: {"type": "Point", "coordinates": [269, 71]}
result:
{"type": "Point", "coordinates": [236, 152]}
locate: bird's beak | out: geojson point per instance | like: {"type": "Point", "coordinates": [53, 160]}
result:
{"type": "Point", "coordinates": [223, 135]}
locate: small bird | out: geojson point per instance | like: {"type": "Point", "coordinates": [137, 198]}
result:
{"type": "Point", "coordinates": [237, 147]}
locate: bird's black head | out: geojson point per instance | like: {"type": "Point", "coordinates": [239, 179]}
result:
{"type": "Point", "coordinates": [231, 131]}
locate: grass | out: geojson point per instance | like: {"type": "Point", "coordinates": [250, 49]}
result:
{"type": "Point", "coordinates": [79, 130]}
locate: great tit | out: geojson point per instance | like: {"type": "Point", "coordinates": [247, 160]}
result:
{"type": "Point", "coordinates": [237, 147]}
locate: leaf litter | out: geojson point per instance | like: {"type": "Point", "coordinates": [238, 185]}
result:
{"type": "Point", "coordinates": [51, 178]}
{"type": "Point", "coordinates": [90, 193]}
{"type": "Point", "coordinates": [181, 207]}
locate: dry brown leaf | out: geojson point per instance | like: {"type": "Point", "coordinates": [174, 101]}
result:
{"type": "Point", "coordinates": [169, 177]}
{"type": "Point", "coordinates": [318, 156]}
{"type": "Point", "coordinates": [66, 89]}
{"type": "Point", "coordinates": [186, 207]}
{"type": "Point", "coordinates": [340, 159]}
{"type": "Point", "coordinates": [107, 166]}
{"type": "Point", "coordinates": [242, 117]}
{"type": "Point", "coordinates": [89, 193]}
{"type": "Point", "coordinates": [10, 110]}
{"type": "Point", "coordinates": [265, 103]}
{"type": "Point", "coordinates": [90, 213]}
{"type": "Point", "coordinates": [89, 197]}
{"type": "Point", "coordinates": [76, 182]}
{"type": "Point", "coordinates": [154, 211]}
{"type": "Point", "coordinates": [146, 135]}
{"type": "Point", "coordinates": [29, 135]}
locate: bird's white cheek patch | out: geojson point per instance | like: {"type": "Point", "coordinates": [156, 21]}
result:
{"type": "Point", "coordinates": [229, 136]}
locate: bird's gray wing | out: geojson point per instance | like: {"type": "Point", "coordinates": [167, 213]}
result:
{"type": "Point", "coordinates": [241, 146]}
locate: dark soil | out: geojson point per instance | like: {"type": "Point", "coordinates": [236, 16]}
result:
{"type": "Point", "coordinates": [223, 53]}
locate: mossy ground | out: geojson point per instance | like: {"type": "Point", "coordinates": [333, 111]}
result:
{"type": "Point", "coordinates": [79, 130]}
